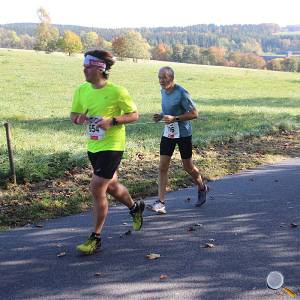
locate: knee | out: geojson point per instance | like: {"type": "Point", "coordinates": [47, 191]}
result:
{"type": "Point", "coordinates": [163, 169]}
{"type": "Point", "coordinates": [112, 188]}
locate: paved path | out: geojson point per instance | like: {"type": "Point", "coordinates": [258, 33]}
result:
{"type": "Point", "coordinates": [248, 215]}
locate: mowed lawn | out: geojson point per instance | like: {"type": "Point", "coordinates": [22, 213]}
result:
{"type": "Point", "coordinates": [37, 88]}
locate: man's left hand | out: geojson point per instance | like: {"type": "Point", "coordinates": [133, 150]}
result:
{"type": "Point", "coordinates": [104, 123]}
{"type": "Point", "coordinates": [168, 119]}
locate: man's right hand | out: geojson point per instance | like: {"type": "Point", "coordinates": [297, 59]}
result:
{"type": "Point", "coordinates": [79, 118]}
{"type": "Point", "coordinates": [157, 117]}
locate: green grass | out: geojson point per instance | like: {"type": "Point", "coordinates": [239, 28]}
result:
{"type": "Point", "coordinates": [36, 91]}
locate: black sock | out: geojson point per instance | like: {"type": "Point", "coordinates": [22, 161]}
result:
{"type": "Point", "coordinates": [133, 207]}
{"type": "Point", "coordinates": [96, 235]}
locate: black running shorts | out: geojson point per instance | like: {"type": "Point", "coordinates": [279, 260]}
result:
{"type": "Point", "coordinates": [167, 146]}
{"type": "Point", "coordinates": [105, 163]}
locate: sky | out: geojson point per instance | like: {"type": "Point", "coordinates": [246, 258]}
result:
{"type": "Point", "coordinates": [152, 13]}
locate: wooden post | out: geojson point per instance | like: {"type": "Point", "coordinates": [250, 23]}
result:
{"type": "Point", "coordinates": [10, 152]}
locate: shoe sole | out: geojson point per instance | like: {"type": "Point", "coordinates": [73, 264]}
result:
{"type": "Point", "coordinates": [200, 204]}
{"type": "Point", "coordinates": [89, 253]}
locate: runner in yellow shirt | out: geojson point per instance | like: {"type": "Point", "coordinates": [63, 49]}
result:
{"type": "Point", "coordinates": [104, 108]}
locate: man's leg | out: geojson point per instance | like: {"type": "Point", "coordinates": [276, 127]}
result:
{"type": "Point", "coordinates": [185, 148]}
{"type": "Point", "coordinates": [164, 164]}
{"type": "Point", "coordinates": [120, 193]}
{"type": "Point", "coordinates": [98, 189]}
{"type": "Point", "coordinates": [190, 168]}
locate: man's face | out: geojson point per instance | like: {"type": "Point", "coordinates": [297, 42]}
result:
{"type": "Point", "coordinates": [91, 73]}
{"type": "Point", "coordinates": [165, 79]}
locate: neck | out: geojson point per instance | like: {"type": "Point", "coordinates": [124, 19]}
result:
{"type": "Point", "coordinates": [170, 88]}
{"type": "Point", "coordinates": [99, 84]}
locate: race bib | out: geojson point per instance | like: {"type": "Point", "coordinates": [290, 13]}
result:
{"type": "Point", "coordinates": [94, 132]}
{"type": "Point", "coordinates": [172, 131]}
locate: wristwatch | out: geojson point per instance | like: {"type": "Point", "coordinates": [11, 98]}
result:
{"type": "Point", "coordinates": [177, 119]}
{"type": "Point", "coordinates": [114, 122]}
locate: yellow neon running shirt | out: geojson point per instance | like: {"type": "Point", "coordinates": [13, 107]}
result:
{"type": "Point", "coordinates": [109, 101]}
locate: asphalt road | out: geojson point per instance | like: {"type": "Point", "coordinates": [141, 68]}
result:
{"type": "Point", "coordinates": [247, 217]}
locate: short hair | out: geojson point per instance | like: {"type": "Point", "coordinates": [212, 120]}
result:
{"type": "Point", "coordinates": [169, 70]}
{"type": "Point", "coordinates": [106, 56]}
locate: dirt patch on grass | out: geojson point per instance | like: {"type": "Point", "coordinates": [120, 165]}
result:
{"type": "Point", "coordinates": [32, 202]}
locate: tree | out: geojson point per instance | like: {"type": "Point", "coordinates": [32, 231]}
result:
{"type": "Point", "coordinates": [119, 47]}
{"type": "Point", "coordinates": [191, 54]}
{"type": "Point", "coordinates": [9, 39]}
{"type": "Point", "coordinates": [290, 64]}
{"type": "Point", "coordinates": [161, 52]}
{"type": "Point", "coordinates": [131, 45]}
{"type": "Point", "coordinates": [91, 40]}
{"type": "Point", "coordinates": [216, 56]}
{"type": "Point", "coordinates": [177, 52]}
{"type": "Point", "coordinates": [26, 41]}
{"type": "Point", "coordinates": [252, 61]}
{"type": "Point", "coordinates": [275, 64]}
{"type": "Point", "coordinates": [136, 46]}
{"type": "Point", "coordinates": [71, 43]}
{"type": "Point", "coordinates": [46, 35]}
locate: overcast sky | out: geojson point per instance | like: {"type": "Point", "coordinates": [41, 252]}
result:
{"type": "Point", "coordinates": [139, 13]}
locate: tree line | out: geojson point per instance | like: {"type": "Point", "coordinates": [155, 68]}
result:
{"type": "Point", "coordinates": [228, 45]}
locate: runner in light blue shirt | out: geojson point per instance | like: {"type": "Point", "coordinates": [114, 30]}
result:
{"type": "Point", "coordinates": [178, 109]}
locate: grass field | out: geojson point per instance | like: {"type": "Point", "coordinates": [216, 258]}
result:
{"type": "Point", "coordinates": [35, 96]}
{"type": "Point", "coordinates": [37, 88]}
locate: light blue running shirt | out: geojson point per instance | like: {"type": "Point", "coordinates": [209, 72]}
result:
{"type": "Point", "coordinates": [177, 103]}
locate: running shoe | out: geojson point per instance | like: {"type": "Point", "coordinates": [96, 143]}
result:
{"type": "Point", "coordinates": [202, 196]}
{"type": "Point", "coordinates": [91, 246]}
{"type": "Point", "coordinates": [158, 207]}
{"type": "Point", "coordinates": [137, 215]}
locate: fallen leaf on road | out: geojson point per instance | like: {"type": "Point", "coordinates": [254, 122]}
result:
{"type": "Point", "coordinates": [152, 256]}
{"type": "Point", "coordinates": [209, 245]}
{"type": "Point", "coordinates": [125, 233]}
{"type": "Point", "coordinates": [61, 254]}
{"type": "Point", "coordinates": [191, 228]}
{"type": "Point", "coordinates": [163, 276]}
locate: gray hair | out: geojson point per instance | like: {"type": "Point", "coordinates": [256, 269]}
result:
{"type": "Point", "coordinates": [168, 70]}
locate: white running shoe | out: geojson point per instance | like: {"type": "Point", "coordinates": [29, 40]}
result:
{"type": "Point", "coordinates": [157, 207]}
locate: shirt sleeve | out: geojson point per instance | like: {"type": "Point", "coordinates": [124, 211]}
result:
{"type": "Point", "coordinates": [76, 103]}
{"type": "Point", "coordinates": [126, 103]}
{"type": "Point", "coordinates": [186, 101]}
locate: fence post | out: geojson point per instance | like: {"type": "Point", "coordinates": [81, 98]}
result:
{"type": "Point", "coordinates": [10, 152]}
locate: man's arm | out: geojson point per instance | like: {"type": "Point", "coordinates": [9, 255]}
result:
{"type": "Point", "coordinates": [106, 123]}
{"type": "Point", "coordinates": [189, 115]}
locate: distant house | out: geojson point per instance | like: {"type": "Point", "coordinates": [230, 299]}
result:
{"type": "Point", "coordinates": [285, 54]}
{"type": "Point", "coordinates": [270, 57]}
